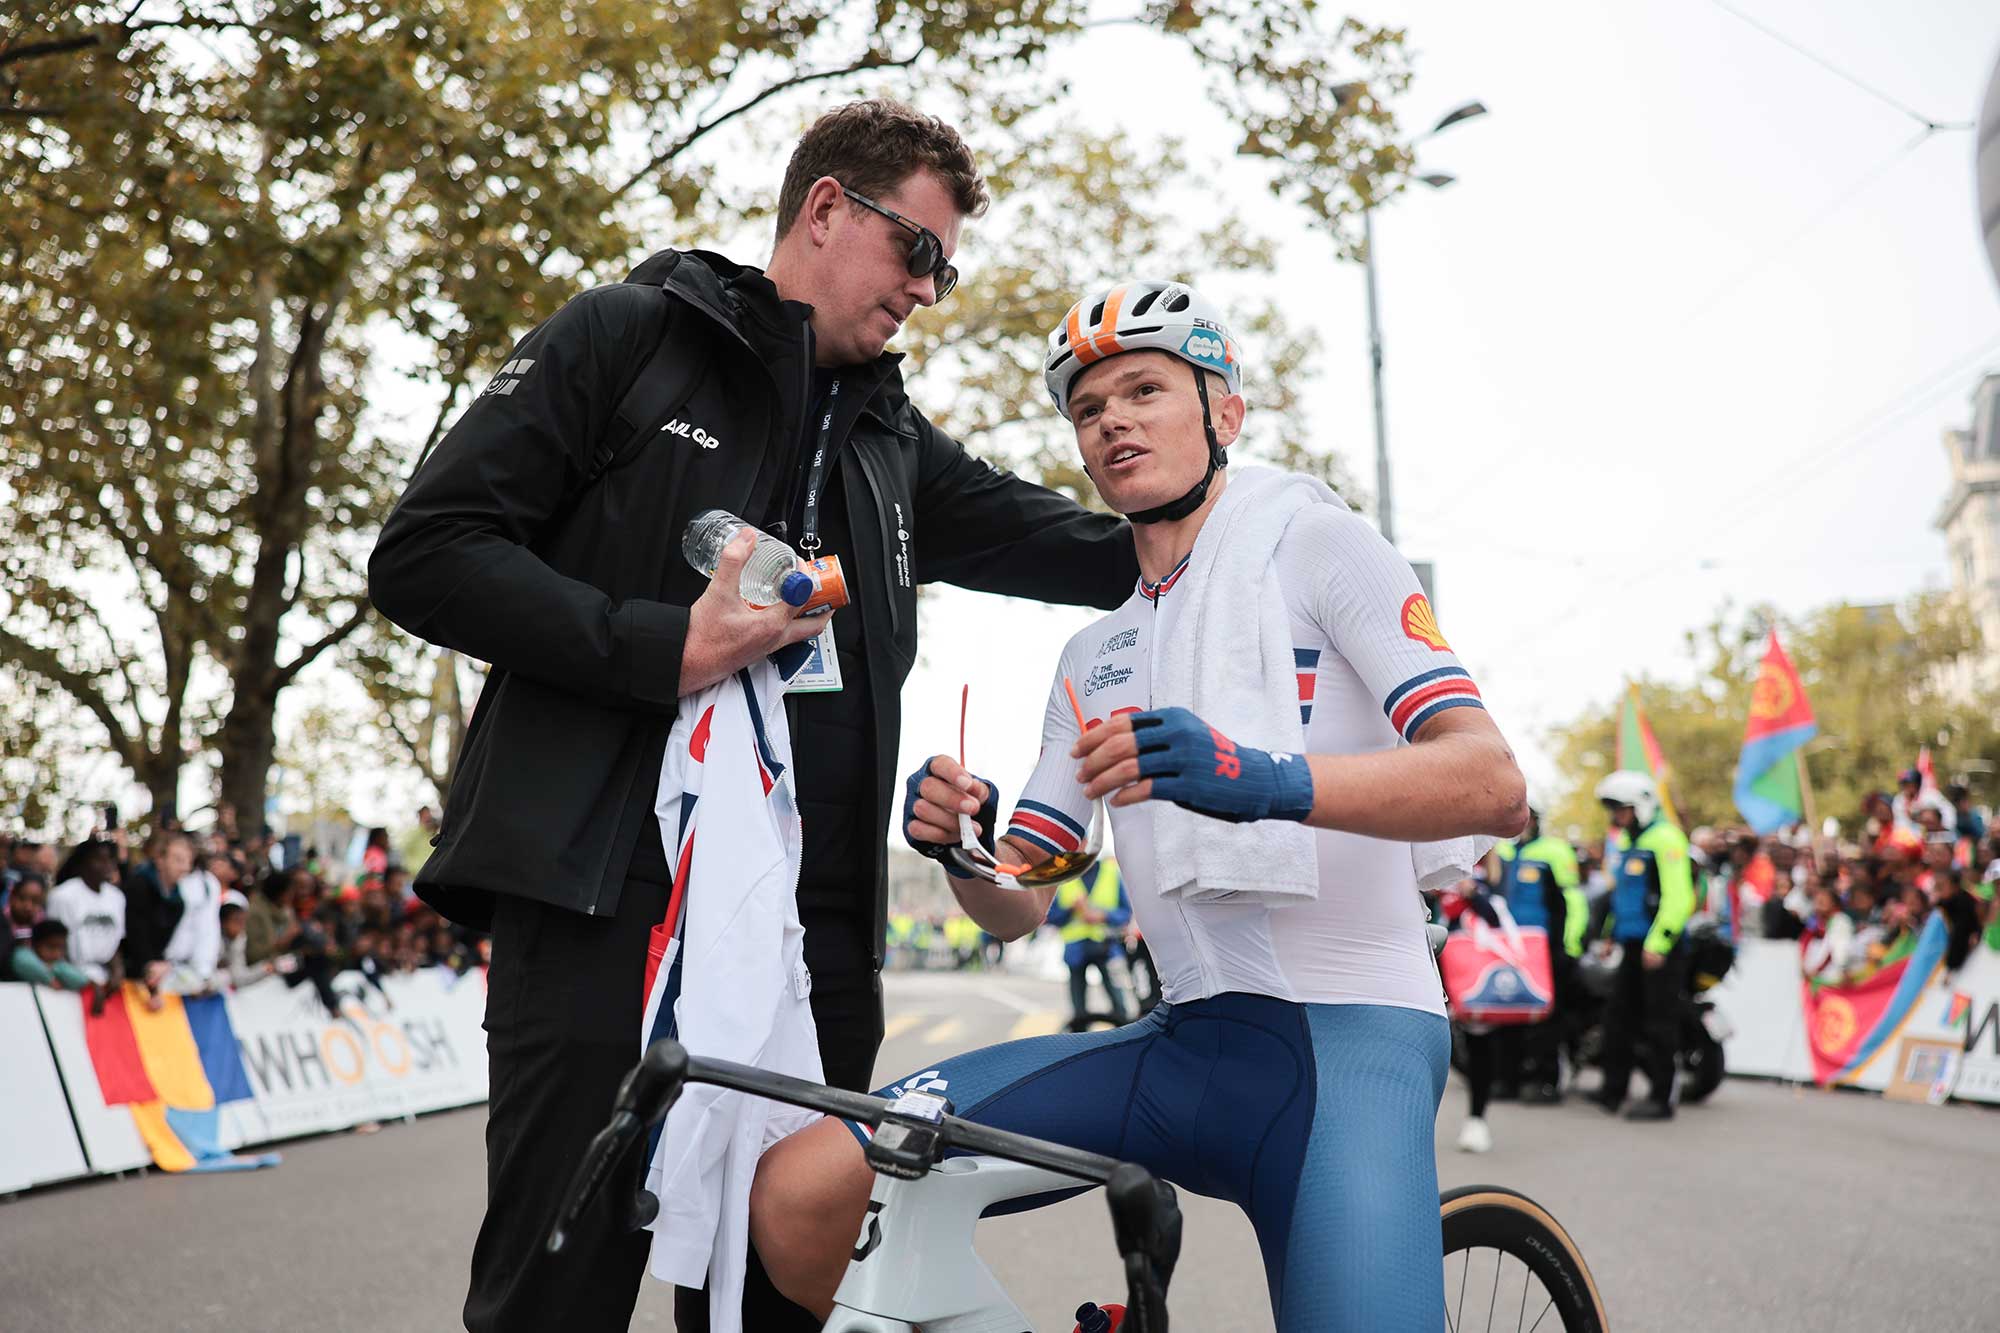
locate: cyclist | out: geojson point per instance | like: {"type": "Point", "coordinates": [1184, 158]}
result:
{"type": "Point", "coordinates": [1540, 882]}
{"type": "Point", "coordinates": [1091, 913]}
{"type": "Point", "coordinates": [1652, 896]}
{"type": "Point", "coordinates": [1296, 1061]}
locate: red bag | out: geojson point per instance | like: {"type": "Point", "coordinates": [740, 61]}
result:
{"type": "Point", "coordinates": [1502, 977]}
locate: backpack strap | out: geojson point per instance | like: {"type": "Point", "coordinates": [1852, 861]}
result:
{"type": "Point", "coordinates": [663, 387]}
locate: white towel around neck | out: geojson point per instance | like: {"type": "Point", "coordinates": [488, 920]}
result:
{"type": "Point", "coordinates": [1230, 662]}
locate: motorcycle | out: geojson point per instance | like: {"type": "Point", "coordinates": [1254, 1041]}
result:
{"type": "Point", "coordinates": [1703, 1027]}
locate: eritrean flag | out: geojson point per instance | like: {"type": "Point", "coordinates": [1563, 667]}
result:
{"type": "Point", "coordinates": [1781, 720]}
{"type": "Point", "coordinates": [1847, 1026]}
{"type": "Point", "coordinates": [1639, 750]}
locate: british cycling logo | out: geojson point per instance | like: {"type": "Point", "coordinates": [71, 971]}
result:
{"type": "Point", "coordinates": [687, 430]}
{"type": "Point", "coordinates": [1119, 642]}
{"type": "Point", "coordinates": [1104, 677]}
{"type": "Point", "coordinates": [508, 378]}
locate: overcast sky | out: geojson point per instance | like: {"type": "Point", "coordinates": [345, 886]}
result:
{"type": "Point", "coordinates": [1688, 328]}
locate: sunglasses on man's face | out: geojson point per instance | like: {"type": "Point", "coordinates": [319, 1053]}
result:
{"type": "Point", "coordinates": [926, 257]}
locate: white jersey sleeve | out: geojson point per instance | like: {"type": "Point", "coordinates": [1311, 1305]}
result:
{"type": "Point", "coordinates": [1367, 601]}
{"type": "Point", "coordinates": [1053, 813]}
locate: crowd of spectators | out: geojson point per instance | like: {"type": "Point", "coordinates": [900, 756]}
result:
{"type": "Point", "coordinates": [1855, 900]}
{"type": "Point", "coordinates": [195, 913]}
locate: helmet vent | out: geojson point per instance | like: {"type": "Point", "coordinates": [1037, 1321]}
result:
{"type": "Point", "coordinates": [1096, 314]}
{"type": "Point", "coordinates": [1177, 302]}
{"type": "Point", "coordinates": [1146, 301]}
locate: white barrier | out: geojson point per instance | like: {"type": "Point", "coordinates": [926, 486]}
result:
{"type": "Point", "coordinates": [1763, 998]}
{"type": "Point", "coordinates": [110, 1139]}
{"type": "Point", "coordinates": [39, 1141]}
{"type": "Point", "coordinates": [415, 1045]}
{"type": "Point", "coordinates": [417, 1048]}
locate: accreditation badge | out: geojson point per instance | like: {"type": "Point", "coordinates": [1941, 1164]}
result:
{"type": "Point", "coordinates": [820, 672]}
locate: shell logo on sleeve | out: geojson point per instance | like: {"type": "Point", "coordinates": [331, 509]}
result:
{"type": "Point", "coordinates": [1420, 623]}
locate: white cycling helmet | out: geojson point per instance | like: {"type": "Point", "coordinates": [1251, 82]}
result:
{"type": "Point", "coordinates": [1141, 316]}
{"type": "Point", "coordinates": [1631, 787]}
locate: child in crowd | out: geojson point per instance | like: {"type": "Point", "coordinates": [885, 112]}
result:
{"type": "Point", "coordinates": [44, 960]}
{"type": "Point", "coordinates": [25, 906]}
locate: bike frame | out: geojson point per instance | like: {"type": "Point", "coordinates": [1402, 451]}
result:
{"type": "Point", "coordinates": [914, 1261]}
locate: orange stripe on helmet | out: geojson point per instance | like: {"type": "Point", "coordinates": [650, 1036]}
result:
{"type": "Point", "coordinates": [1085, 353]}
{"type": "Point", "coordinates": [1104, 342]}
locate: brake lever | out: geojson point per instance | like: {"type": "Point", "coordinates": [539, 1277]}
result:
{"type": "Point", "coordinates": [1146, 1220]}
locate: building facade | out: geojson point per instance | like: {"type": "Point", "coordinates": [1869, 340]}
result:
{"type": "Point", "coordinates": [1970, 515]}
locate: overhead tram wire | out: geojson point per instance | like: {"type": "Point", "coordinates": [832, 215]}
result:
{"type": "Point", "coordinates": [1736, 283]}
{"type": "Point", "coordinates": [1920, 393]}
{"type": "Point", "coordinates": [1930, 125]}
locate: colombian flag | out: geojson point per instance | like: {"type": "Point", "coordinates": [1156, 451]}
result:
{"type": "Point", "coordinates": [174, 1066]}
{"type": "Point", "coordinates": [1781, 720]}
{"type": "Point", "coordinates": [1639, 751]}
{"type": "Point", "coordinates": [1847, 1026]}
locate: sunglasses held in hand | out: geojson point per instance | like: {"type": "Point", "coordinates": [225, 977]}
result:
{"type": "Point", "coordinates": [974, 860]}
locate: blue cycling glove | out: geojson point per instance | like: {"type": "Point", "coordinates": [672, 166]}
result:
{"type": "Point", "coordinates": [1200, 769]}
{"type": "Point", "coordinates": [985, 817]}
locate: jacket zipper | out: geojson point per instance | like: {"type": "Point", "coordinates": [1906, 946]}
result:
{"type": "Point", "coordinates": [888, 530]}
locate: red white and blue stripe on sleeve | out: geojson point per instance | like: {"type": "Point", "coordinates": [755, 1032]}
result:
{"type": "Point", "coordinates": [1422, 697]}
{"type": "Point", "coordinates": [1046, 827]}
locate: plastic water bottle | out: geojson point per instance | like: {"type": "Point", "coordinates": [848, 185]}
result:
{"type": "Point", "coordinates": [771, 574]}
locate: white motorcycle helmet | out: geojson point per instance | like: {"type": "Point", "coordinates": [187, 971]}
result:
{"type": "Point", "coordinates": [1168, 317]}
{"type": "Point", "coordinates": [1630, 787]}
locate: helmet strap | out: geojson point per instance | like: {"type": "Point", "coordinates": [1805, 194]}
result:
{"type": "Point", "coordinates": [1175, 510]}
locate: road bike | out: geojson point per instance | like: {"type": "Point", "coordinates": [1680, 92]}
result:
{"type": "Point", "coordinates": [1508, 1263]}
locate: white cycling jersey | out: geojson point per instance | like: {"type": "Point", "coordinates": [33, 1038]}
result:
{"type": "Point", "coordinates": [1372, 669]}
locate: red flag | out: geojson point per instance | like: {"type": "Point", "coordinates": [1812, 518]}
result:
{"type": "Point", "coordinates": [1778, 702]}
{"type": "Point", "coordinates": [114, 1053]}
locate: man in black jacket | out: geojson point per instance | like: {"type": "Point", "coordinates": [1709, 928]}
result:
{"type": "Point", "coordinates": [544, 537]}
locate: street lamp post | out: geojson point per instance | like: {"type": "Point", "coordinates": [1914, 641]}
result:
{"type": "Point", "coordinates": [1385, 513]}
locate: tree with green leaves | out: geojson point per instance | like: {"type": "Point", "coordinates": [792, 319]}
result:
{"type": "Point", "coordinates": [1884, 681]}
{"type": "Point", "coordinates": [220, 214]}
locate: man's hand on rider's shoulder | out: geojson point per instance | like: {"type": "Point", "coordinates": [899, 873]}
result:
{"type": "Point", "coordinates": [725, 632]}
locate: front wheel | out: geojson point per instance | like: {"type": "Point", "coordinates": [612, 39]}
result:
{"type": "Point", "coordinates": [1509, 1265]}
{"type": "Point", "coordinates": [1702, 1067]}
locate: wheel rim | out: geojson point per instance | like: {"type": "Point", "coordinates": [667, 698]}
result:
{"type": "Point", "coordinates": [1488, 1290]}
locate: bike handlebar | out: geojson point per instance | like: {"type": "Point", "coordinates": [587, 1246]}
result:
{"type": "Point", "coordinates": [1145, 1214]}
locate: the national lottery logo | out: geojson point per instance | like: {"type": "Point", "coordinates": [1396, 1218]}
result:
{"type": "Point", "coordinates": [1119, 642]}
{"type": "Point", "coordinates": [1104, 678]}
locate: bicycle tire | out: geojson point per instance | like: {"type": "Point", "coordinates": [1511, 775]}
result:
{"type": "Point", "coordinates": [1479, 1218]}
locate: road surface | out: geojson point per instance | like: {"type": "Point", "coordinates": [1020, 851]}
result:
{"type": "Point", "coordinates": [1770, 1208]}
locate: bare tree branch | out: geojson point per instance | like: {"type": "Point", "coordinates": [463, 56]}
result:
{"type": "Point", "coordinates": [82, 686]}
{"type": "Point", "coordinates": [354, 621]}
{"type": "Point", "coordinates": [686, 141]}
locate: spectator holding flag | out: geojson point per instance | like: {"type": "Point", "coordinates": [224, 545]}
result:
{"type": "Point", "coordinates": [1769, 787]}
